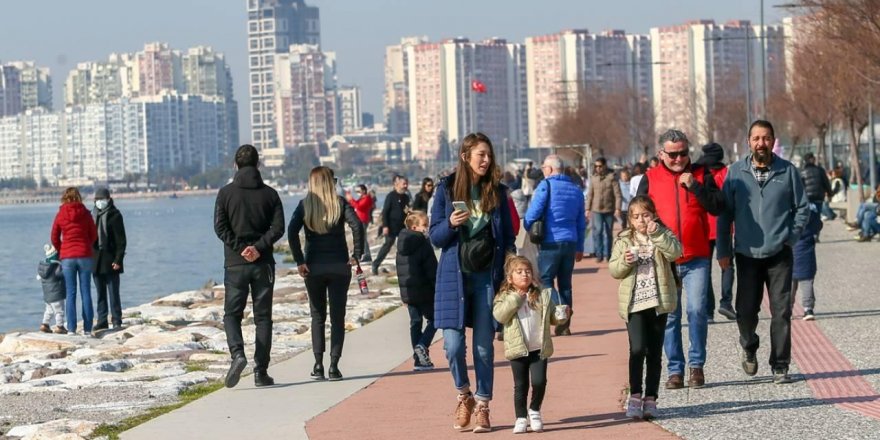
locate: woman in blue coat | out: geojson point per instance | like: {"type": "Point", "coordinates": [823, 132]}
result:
{"type": "Point", "coordinates": [474, 239]}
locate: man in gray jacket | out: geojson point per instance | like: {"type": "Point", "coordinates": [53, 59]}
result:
{"type": "Point", "coordinates": [768, 208]}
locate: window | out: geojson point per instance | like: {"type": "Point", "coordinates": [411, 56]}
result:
{"type": "Point", "coordinates": [253, 26]}
{"type": "Point", "coordinates": [267, 77]}
{"type": "Point", "coordinates": [255, 90]}
{"type": "Point", "coordinates": [256, 119]}
{"type": "Point", "coordinates": [255, 78]}
{"type": "Point", "coordinates": [255, 61]}
{"type": "Point", "coordinates": [254, 43]}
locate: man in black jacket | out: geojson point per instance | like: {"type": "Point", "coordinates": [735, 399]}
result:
{"type": "Point", "coordinates": [393, 214]}
{"type": "Point", "coordinates": [249, 219]}
{"type": "Point", "coordinates": [816, 183]}
{"type": "Point", "coordinates": [109, 253]}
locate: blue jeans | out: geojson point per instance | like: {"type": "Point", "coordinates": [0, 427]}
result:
{"type": "Point", "coordinates": [694, 279]}
{"type": "Point", "coordinates": [71, 268]}
{"type": "Point", "coordinates": [868, 221]}
{"type": "Point", "coordinates": [602, 223]}
{"type": "Point", "coordinates": [419, 313]}
{"type": "Point", "coordinates": [556, 262]}
{"type": "Point", "coordinates": [479, 294]}
{"type": "Point", "coordinates": [827, 211]}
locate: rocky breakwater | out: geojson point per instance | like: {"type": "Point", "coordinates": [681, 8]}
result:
{"type": "Point", "coordinates": [64, 386]}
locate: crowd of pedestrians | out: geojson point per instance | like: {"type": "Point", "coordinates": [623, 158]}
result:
{"type": "Point", "coordinates": [760, 217]}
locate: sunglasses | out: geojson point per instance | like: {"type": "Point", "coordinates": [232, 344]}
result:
{"type": "Point", "coordinates": [676, 154]}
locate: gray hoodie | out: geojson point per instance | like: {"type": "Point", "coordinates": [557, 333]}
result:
{"type": "Point", "coordinates": [764, 218]}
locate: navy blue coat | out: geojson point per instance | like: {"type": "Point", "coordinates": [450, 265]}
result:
{"type": "Point", "coordinates": [804, 251]}
{"type": "Point", "coordinates": [450, 308]}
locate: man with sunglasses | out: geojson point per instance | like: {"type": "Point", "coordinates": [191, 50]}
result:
{"type": "Point", "coordinates": [684, 194]}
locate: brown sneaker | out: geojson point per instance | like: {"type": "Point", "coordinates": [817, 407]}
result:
{"type": "Point", "coordinates": [675, 382]}
{"type": "Point", "coordinates": [60, 330]}
{"type": "Point", "coordinates": [696, 379]}
{"type": "Point", "coordinates": [45, 328]}
{"type": "Point", "coordinates": [466, 404]}
{"type": "Point", "coordinates": [481, 413]}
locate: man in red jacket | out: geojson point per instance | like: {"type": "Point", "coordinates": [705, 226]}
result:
{"type": "Point", "coordinates": [685, 194]}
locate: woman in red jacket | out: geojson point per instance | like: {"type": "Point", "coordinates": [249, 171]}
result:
{"type": "Point", "coordinates": [363, 207]}
{"type": "Point", "coordinates": [73, 234]}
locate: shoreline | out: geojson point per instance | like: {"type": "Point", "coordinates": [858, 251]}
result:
{"type": "Point", "coordinates": [32, 198]}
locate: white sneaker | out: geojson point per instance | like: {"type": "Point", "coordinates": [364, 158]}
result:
{"type": "Point", "coordinates": [520, 426]}
{"type": "Point", "coordinates": [535, 421]}
{"type": "Point", "coordinates": [634, 407]}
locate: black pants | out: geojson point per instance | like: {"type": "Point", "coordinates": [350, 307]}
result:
{"type": "Point", "coordinates": [259, 280]}
{"type": "Point", "coordinates": [646, 329]}
{"type": "Point", "coordinates": [383, 251]}
{"type": "Point", "coordinates": [531, 365]}
{"type": "Point", "coordinates": [322, 285]}
{"type": "Point", "coordinates": [752, 275]}
{"type": "Point", "coordinates": [726, 284]}
{"type": "Point", "coordinates": [108, 283]}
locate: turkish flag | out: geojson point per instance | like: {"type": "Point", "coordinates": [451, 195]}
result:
{"type": "Point", "coordinates": [478, 86]}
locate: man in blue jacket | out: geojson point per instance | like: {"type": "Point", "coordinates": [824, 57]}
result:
{"type": "Point", "coordinates": [768, 208]}
{"type": "Point", "coordinates": [564, 223]}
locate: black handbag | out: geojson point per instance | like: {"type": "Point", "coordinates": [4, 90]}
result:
{"type": "Point", "coordinates": [475, 253]}
{"type": "Point", "coordinates": [537, 230]}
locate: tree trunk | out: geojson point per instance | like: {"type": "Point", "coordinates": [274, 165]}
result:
{"type": "Point", "coordinates": [820, 149]}
{"type": "Point", "coordinates": [854, 158]}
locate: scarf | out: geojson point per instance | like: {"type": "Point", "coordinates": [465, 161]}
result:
{"type": "Point", "coordinates": [100, 216]}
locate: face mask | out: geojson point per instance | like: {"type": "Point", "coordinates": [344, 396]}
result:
{"type": "Point", "coordinates": [102, 204]}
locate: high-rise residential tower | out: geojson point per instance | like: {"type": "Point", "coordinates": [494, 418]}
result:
{"type": "Point", "coordinates": [273, 25]}
{"type": "Point", "coordinates": [711, 68]}
{"type": "Point", "coordinates": [396, 99]}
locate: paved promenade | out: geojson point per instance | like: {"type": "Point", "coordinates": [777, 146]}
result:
{"type": "Point", "coordinates": [836, 367]}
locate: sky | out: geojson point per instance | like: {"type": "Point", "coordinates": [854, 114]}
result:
{"type": "Point", "coordinates": [61, 33]}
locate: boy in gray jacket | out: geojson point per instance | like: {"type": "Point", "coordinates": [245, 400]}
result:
{"type": "Point", "coordinates": [50, 275]}
{"type": "Point", "coordinates": [768, 208]}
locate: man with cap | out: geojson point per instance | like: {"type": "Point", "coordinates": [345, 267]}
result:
{"type": "Point", "coordinates": [713, 160]}
{"type": "Point", "coordinates": [109, 253]}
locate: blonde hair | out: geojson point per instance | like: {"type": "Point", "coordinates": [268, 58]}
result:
{"type": "Point", "coordinates": [71, 194]}
{"type": "Point", "coordinates": [321, 206]}
{"type": "Point", "coordinates": [513, 262]}
{"type": "Point", "coordinates": [415, 218]}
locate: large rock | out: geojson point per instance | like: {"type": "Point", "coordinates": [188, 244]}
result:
{"type": "Point", "coordinates": [184, 299]}
{"type": "Point", "coordinates": [24, 343]}
{"type": "Point", "coordinates": [62, 429]}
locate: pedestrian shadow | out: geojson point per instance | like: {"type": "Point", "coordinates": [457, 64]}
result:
{"type": "Point", "coordinates": [746, 406]}
{"type": "Point", "coordinates": [588, 421]}
{"type": "Point", "coordinates": [598, 332]}
{"type": "Point", "coordinates": [585, 270]}
{"type": "Point", "coordinates": [836, 374]}
{"type": "Point", "coordinates": [848, 314]}
{"type": "Point", "coordinates": [553, 359]}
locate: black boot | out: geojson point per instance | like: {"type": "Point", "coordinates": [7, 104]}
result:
{"type": "Point", "coordinates": [333, 373]}
{"type": "Point", "coordinates": [318, 370]}
{"type": "Point", "coordinates": [262, 378]}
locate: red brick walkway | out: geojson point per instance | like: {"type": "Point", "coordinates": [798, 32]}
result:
{"type": "Point", "coordinates": [586, 378]}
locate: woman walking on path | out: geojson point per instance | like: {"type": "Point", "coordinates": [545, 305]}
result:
{"type": "Point", "coordinates": [363, 206]}
{"type": "Point", "coordinates": [641, 259]}
{"type": "Point", "coordinates": [420, 201]}
{"type": "Point", "coordinates": [73, 234]}
{"type": "Point", "coordinates": [474, 236]}
{"type": "Point", "coordinates": [326, 264]}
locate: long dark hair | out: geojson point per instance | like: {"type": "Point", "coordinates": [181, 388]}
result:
{"type": "Point", "coordinates": [488, 183]}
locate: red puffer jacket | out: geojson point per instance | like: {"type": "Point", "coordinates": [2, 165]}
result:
{"type": "Point", "coordinates": [74, 232]}
{"type": "Point", "coordinates": [680, 210]}
{"type": "Point", "coordinates": [719, 175]}
{"type": "Point", "coordinates": [362, 207]}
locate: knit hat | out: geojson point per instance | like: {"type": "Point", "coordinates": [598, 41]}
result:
{"type": "Point", "coordinates": [712, 154]}
{"type": "Point", "coordinates": [50, 251]}
{"type": "Point", "coordinates": [102, 193]}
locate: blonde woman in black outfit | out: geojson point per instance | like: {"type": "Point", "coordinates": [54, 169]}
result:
{"type": "Point", "coordinates": [326, 264]}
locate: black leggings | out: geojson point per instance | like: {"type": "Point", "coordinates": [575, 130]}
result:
{"type": "Point", "coordinates": [646, 329]}
{"type": "Point", "coordinates": [321, 287]}
{"type": "Point", "coordinates": [521, 368]}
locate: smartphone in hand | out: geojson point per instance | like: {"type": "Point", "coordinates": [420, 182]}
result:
{"type": "Point", "coordinates": [460, 206]}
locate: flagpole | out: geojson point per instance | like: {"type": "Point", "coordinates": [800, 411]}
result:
{"type": "Point", "coordinates": [473, 127]}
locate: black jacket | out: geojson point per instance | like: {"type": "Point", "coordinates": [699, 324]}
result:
{"type": "Point", "coordinates": [330, 247]}
{"type": "Point", "coordinates": [416, 268]}
{"type": "Point", "coordinates": [394, 212]}
{"type": "Point", "coordinates": [53, 281]}
{"type": "Point", "coordinates": [110, 246]}
{"type": "Point", "coordinates": [816, 183]}
{"type": "Point", "coordinates": [248, 213]}
{"type": "Point", "coordinates": [420, 201]}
